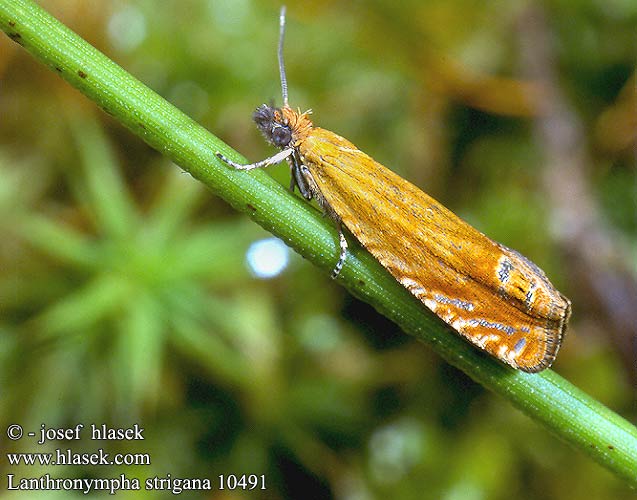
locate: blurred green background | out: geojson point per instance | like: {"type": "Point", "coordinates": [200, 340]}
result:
{"type": "Point", "coordinates": [127, 293]}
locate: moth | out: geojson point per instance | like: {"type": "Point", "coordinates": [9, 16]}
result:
{"type": "Point", "coordinates": [490, 294]}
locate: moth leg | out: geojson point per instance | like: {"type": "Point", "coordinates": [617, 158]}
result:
{"type": "Point", "coordinates": [308, 187]}
{"type": "Point", "coordinates": [343, 245]}
{"type": "Point", "coordinates": [296, 179]}
{"type": "Point", "coordinates": [277, 158]}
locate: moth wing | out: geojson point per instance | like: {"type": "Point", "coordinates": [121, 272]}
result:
{"type": "Point", "coordinates": [490, 294]}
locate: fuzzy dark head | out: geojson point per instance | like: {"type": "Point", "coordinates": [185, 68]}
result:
{"type": "Point", "coordinates": [273, 126]}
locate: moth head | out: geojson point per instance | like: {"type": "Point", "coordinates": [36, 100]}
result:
{"type": "Point", "coordinates": [273, 125]}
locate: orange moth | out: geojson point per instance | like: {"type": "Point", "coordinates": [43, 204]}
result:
{"type": "Point", "coordinates": [491, 295]}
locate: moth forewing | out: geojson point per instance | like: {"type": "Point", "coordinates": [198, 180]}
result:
{"type": "Point", "coordinates": [490, 294]}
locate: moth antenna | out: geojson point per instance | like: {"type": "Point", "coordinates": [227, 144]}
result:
{"type": "Point", "coordinates": [284, 80]}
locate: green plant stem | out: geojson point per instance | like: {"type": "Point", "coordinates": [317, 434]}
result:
{"type": "Point", "coordinates": [546, 397]}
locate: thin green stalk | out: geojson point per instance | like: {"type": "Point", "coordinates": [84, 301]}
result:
{"type": "Point", "coordinates": [546, 397]}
